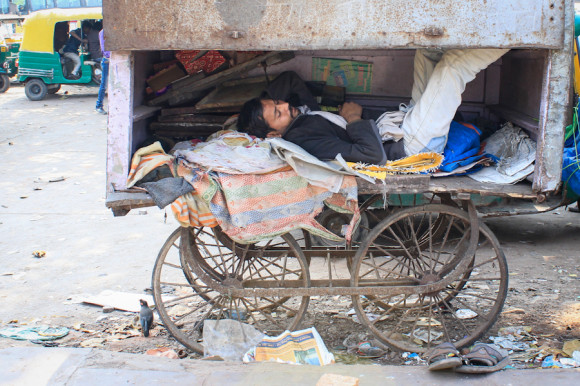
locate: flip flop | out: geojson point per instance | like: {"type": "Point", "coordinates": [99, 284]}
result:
{"type": "Point", "coordinates": [483, 359]}
{"type": "Point", "coordinates": [443, 357]}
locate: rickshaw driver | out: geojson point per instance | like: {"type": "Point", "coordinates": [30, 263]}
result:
{"type": "Point", "coordinates": [71, 48]}
{"type": "Point", "coordinates": [289, 111]}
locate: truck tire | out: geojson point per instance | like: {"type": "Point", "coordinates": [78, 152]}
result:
{"type": "Point", "coordinates": [35, 89]}
{"type": "Point", "coordinates": [4, 83]}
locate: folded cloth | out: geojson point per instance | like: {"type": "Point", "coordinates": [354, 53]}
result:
{"type": "Point", "coordinates": [254, 207]}
{"type": "Point", "coordinates": [167, 190]}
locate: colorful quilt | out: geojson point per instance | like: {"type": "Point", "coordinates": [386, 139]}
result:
{"type": "Point", "coordinates": [249, 207]}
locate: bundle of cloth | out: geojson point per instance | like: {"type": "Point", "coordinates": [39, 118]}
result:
{"type": "Point", "coordinates": [253, 189]}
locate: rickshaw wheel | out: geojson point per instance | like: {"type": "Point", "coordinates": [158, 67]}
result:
{"type": "Point", "coordinates": [184, 301]}
{"type": "Point", "coordinates": [4, 83]}
{"type": "Point", "coordinates": [53, 88]}
{"type": "Point", "coordinates": [459, 313]}
{"type": "Point", "coordinates": [35, 89]}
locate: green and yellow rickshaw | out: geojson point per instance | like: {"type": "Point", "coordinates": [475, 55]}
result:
{"type": "Point", "coordinates": [10, 39]}
{"type": "Point", "coordinates": [42, 68]}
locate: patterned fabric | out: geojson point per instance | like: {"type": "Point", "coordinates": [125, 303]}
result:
{"type": "Point", "coordinates": [207, 63]}
{"type": "Point", "coordinates": [418, 163]}
{"type": "Point", "coordinates": [251, 207]}
{"type": "Point", "coordinates": [232, 152]}
{"type": "Point", "coordinates": [189, 209]}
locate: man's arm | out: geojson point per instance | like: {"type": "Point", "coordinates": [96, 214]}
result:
{"type": "Point", "coordinates": [75, 35]}
{"type": "Point", "coordinates": [288, 83]}
{"type": "Point", "coordinates": [322, 139]}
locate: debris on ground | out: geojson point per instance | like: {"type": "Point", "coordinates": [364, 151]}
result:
{"type": "Point", "coordinates": [34, 334]}
{"type": "Point", "coordinates": [515, 338]}
{"type": "Point", "coordinates": [39, 254]}
{"type": "Point", "coordinates": [165, 352]}
{"type": "Point", "coordinates": [304, 347]}
{"type": "Point", "coordinates": [229, 339]}
{"type": "Point", "coordinates": [412, 358]}
{"type": "Point", "coordinates": [119, 300]}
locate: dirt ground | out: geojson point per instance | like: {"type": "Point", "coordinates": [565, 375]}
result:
{"type": "Point", "coordinates": [53, 200]}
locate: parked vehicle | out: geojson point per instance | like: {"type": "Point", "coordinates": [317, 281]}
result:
{"type": "Point", "coordinates": [10, 40]}
{"type": "Point", "coordinates": [418, 264]}
{"type": "Point", "coordinates": [42, 68]}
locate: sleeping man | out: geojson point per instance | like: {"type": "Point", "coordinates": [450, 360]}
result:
{"type": "Point", "coordinates": [288, 110]}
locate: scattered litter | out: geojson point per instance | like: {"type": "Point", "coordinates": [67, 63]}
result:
{"type": "Point", "coordinates": [56, 179]}
{"type": "Point", "coordinates": [229, 338]}
{"type": "Point", "coordinates": [509, 343]}
{"type": "Point", "coordinates": [119, 300]}
{"type": "Point", "coordinates": [571, 346]}
{"type": "Point", "coordinates": [426, 336]}
{"type": "Point", "coordinates": [553, 362]}
{"type": "Point", "coordinates": [45, 343]}
{"type": "Point", "coordinates": [465, 313]}
{"type": "Point", "coordinates": [412, 357]}
{"type": "Point", "coordinates": [369, 350]}
{"type": "Point", "coordinates": [108, 309]}
{"type": "Point", "coordinates": [514, 311]}
{"type": "Point", "coordinates": [39, 254]}
{"type": "Point", "coordinates": [337, 379]}
{"type": "Point", "coordinates": [372, 317]}
{"type": "Point", "coordinates": [298, 347]}
{"type": "Point", "coordinates": [93, 342]}
{"type": "Point", "coordinates": [428, 322]}
{"type": "Point", "coordinates": [163, 352]}
{"type": "Point", "coordinates": [39, 333]}
{"type": "Point", "coordinates": [514, 338]}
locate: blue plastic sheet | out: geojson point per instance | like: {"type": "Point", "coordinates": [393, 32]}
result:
{"type": "Point", "coordinates": [571, 160]}
{"type": "Point", "coordinates": [462, 147]}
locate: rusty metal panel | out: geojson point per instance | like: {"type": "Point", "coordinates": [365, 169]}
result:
{"type": "Point", "coordinates": [336, 24]}
{"type": "Point", "coordinates": [555, 111]}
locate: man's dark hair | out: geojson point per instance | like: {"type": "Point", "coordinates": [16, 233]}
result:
{"type": "Point", "coordinates": [251, 118]}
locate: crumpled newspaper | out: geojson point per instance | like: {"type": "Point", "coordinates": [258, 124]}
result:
{"type": "Point", "coordinates": [516, 152]}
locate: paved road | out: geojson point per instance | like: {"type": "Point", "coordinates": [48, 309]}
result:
{"type": "Point", "coordinates": [87, 249]}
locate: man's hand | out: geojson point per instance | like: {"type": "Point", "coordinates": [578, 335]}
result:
{"type": "Point", "coordinates": [350, 111]}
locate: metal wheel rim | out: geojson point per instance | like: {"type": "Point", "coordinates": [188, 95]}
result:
{"type": "Point", "coordinates": [443, 308]}
{"type": "Point", "coordinates": [196, 301]}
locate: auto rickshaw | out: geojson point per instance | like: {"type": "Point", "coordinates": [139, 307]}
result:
{"type": "Point", "coordinates": [42, 68]}
{"type": "Point", "coordinates": [10, 40]}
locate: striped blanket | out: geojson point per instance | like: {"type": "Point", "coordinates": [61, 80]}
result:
{"type": "Point", "coordinates": [252, 207]}
{"type": "Point", "coordinates": [249, 207]}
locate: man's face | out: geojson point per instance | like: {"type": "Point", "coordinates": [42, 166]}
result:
{"type": "Point", "coordinates": [278, 115]}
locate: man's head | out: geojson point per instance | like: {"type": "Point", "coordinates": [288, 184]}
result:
{"type": "Point", "coordinates": [264, 117]}
{"type": "Point", "coordinates": [86, 26]}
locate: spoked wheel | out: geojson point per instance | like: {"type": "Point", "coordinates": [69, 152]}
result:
{"type": "Point", "coordinates": [190, 255]}
{"type": "Point", "coordinates": [460, 311]}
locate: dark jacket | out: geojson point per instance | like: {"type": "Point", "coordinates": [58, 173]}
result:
{"type": "Point", "coordinates": [360, 142]}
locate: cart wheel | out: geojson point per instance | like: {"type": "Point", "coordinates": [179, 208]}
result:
{"type": "Point", "coordinates": [461, 312]}
{"type": "Point", "coordinates": [184, 301]}
{"type": "Point", "coordinates": [53, 88]}
{"type": "Point", "coordinates": [35, 89]}
{"type": "Point", "coordinates": [4, 83]}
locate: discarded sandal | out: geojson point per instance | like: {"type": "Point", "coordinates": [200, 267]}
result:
{"type": "Point", "coordinates": [442, 357]}
{"type": "Point", "coordinates": [483, 359]}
